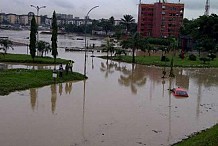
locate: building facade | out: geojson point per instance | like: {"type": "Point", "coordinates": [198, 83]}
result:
{"type": "Point", "coordinates": [160, 19]}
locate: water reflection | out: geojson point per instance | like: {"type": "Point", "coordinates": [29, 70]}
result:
{"type": "Point", "coordinates": [163, 86]}
{"type": "Point", "coordinates": [68, 87]}
{"type": "Point", "coordinates": [170, 112]}
{"type": "Point", "coordinates": [60, 89]}
{"type": "Point", "coordinates": [53, 97]}
{"type": "Point", "coordinates": [107, 68]}
{"type": "Point", "coordinates": [182, 80]}
{"type": "Point", "coordinates": [133, 79]}
{"type": "Point", "coordinates": [33, 97]}
{"type": "Point", "coordinates": [84, 140]}
{"type": "Point", "coordinates": [198, 101]}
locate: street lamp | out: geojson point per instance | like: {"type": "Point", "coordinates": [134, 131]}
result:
{"type": "Point", "coordinates": [85, 36]}
{"type": "Point", "coordinates": [37, 16]}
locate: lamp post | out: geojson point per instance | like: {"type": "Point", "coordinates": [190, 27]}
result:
{"type": "Point", "coordinates": [37, 16]}
{"type": "Point", "coordinates": [85, 36]}
{"type": "Point", "coordinates": [179, 37]}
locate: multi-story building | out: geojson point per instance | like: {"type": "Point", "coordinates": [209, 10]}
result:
{"type": "Point", "coordinates": [12, 18]}
{"type": "Point", "coordinates": [2, 17]}
{"type": "Point", "coordinates": [23, 19]}
{"type": "Point", "coordinates": [64, 16]}
{"type": "Point", "coordinates": [160, 19]}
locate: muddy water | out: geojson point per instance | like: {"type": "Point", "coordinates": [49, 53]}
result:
{"type": "Point", "coordinates": [119, 105]}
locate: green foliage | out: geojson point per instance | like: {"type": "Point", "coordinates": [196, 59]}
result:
{"type": "Point", "coordinates": [43, 47]}
{"type": "Point", "coordinates": [22, 58]}
{"type": "Point", "coordinates": [127, 21]}
{"type": "Point", "coordinates": [177, 62]}
{"type": "Point", "coordinates": [205, 138]}
{"type": "Point", "coordinates": [211, 56]}
{"type": "Point", "coordinates": [73, 28]}
{"type": "Point", "coordinates": [159, 41]}
{"type": "Point", "coordinates": [54, 36]}
{"type": "Point", "coordinates": [102, 25]}
{"type": "Point", "coordinates": [134, 42]}
{"type": "Point", "coordinates": [21, 79]}
{"type": "Point", "coordinates": [5, 43]}
{"type": "Point", "coordinates": [33, 32]}
{"type": "Point", "coordinates": [203, 30]}
{"type": "Point", "coordinates": [164, 58]}
{"type": "Point", "coordinates": [204, 59]}
{"type": "Point", "coordinates": [192, 57]}
{"type": "Point", "coordinates": [109, 47]}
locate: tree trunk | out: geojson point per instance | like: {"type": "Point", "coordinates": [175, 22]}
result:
{"type": "Point", "coordinates": [133, 55]}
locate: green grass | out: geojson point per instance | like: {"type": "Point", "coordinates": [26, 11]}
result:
{"type": "Point", "coordinates": [207, 137]}
{"type": "Point", "coordinates": [156, 60]}
{"type": "Point", "coordinates": [22, 58]}
{"type": "Point", "coordinates": [21, 79]}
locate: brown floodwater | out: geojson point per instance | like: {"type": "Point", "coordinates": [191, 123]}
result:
{"type": "Point", "coordinates": [118, 105]}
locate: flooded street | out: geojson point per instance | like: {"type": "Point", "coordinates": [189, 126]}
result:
{"type": "Point", "coordinates": [118, 105]}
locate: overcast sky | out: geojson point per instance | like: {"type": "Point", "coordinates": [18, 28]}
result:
{"type": "Point", "coordinates": [107, 8]}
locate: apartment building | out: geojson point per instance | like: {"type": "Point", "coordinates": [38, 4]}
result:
{"type": "Point", "coordinates": [160, 19]}
{"type": "Point", "coordinates": [12, 18]}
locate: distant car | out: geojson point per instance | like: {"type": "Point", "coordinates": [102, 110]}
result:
{"type": "Point", "coordinates": [179, 92]}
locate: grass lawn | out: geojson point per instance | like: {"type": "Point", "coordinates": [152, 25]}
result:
{"type": "Point", "coordinates": [21, 79]}
{"type": "Point", "coordinates": [22, 58]}
{"type": "Point", "coordinates": [207, 137]}
{"type": "Point", "coordinates": [156, 60]}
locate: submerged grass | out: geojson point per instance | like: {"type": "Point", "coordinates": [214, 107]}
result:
{"type": "Point", "coordinates": [21, 79]}
{"type": "Point", "coordinates": [207, 137]}
{"type": "Point", "coordinates": [22, 58]}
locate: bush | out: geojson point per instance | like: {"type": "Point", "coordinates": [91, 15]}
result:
{"type": "Point", "coordinates": [204, 59]}
{"type": "Point", "coordinates": [211, 56]}
{"type": "Point", "coordinates": [182, 55]}
{"type": "Point", "coordinates": [192, 57]}
{"type": "Point", "coordinates": [164, 58]}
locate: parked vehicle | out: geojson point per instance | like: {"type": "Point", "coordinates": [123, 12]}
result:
{"type": "Point", "coordinates": [179, 92]}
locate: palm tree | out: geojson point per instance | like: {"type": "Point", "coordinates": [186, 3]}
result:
{"type": "Point", "coordinates": [127, 20]}
{"type": "Point", "coordinates": [135, 42]}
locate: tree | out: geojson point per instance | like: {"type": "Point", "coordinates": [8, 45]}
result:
{"type": "Point", "coordinates": [54, 36]}
{"type": "Point", "coordinates": [109, 47]}
{"type": "Point", "coordinates": [173, 46]}
{"type": "Point", "coordinates": [111, 20]}
{"type": "Point", "coordinates": [43, 47]}
{"type": "Point", "coordinates": [203, 31]}
{"type": "Point", "coordinates": [33, 32]}
{"type": "Point", "coordinates": [134, 42]}
{"type": "Point", "coordinates": [6, 44]}
{"type": "Point", "coordinates": [107, 24]}
{"type": "Point", "coordinates": [127, 20]}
